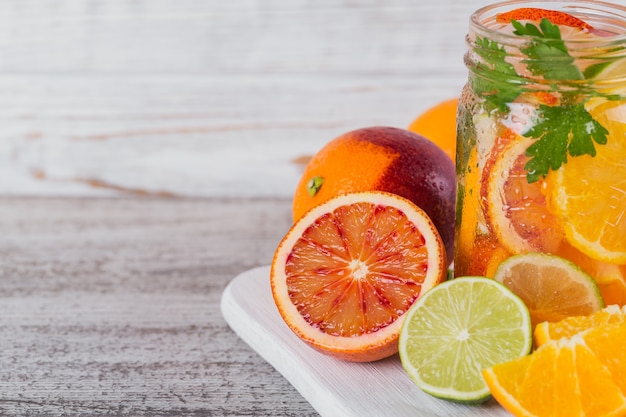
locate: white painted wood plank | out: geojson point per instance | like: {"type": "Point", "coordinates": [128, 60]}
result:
{"type": "Point", "coordinates": [334, 388]}
{"type": "Point", "coordinates": [112, 307]}
{"type": "Point", "coordinates": [354, 37]}
{"type": "Point", "coordinates": [188, 136]}
{"type": "Point", "coordinates": [196, 98]}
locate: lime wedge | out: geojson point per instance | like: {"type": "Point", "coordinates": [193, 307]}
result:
{"type": "Point", "coordinates": [458, 328]}
{"type": "Point", "coordinates": [616, 69]}
{"type": "Point", "coordinates": [552, 287]}
{"type": "Point", "coordinates": [611, 77]}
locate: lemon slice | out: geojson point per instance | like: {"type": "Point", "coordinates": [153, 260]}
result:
{"type": "Point", "coordinates": [457, 329]}
{"type": "Point", "coordinates": [552, 287]}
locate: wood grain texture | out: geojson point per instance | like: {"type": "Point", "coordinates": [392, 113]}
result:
{"type": "Point", "coordinates": [111, 306]}
{"type": "Point", "coordinates": [240, 36]}
{"type": "Point", "coordinates": [203, 98]}
{"type": "Point", "coordinates": [335, 388]}
{"type": "Point", "coordinates": [148, 152]}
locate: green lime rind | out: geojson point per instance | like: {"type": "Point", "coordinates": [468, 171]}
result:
{"type": "Point", "coordinates": [577, 276]}
{"type": "Point", "coordinates": [457, 329]}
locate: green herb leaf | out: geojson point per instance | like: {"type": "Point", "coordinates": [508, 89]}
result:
{"type": "Point", "coordinates": [593, 70]}
{"type": "Point", "coordinates": [495, 80]}
{"type": "Point", "coordinates": [568, 129]}
{"type": "Point", "coordinates": [548, 53]}
{"type": "Point", "coordinates": [560, 131]}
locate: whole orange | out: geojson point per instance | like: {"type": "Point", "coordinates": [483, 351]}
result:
{"type": "Point", "coordinates": [383, 159]}
{"type": "Point", "coordinates": [438, 124]}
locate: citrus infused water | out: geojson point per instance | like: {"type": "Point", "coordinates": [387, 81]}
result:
{"type": "Point", "coordinates": [541, 139]}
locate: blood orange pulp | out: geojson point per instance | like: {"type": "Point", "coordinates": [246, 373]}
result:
{"type": "Point", "coordinates": [346, 273]}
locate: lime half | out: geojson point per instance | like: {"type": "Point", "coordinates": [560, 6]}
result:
{"type": "Point", "coordinates": [457, 329]}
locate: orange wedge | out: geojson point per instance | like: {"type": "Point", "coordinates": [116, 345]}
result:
{"type": "Point", "coordinates": [584, 375]}
{"type": "Point", "coordinates": [568, 327]}
{"type": "Point", "coordinates": [611, 278]}
{"type": "Point", "coordinates": [612, 284]}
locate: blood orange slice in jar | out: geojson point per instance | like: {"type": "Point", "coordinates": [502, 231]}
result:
{"type": "Point", "coordinates": [536, 14]}
{"type": "Point", "coordinates": [515, 209]}
{"type": "Point", "coordinates": [346, 273]}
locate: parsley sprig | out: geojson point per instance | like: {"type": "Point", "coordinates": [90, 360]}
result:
{"type": "Point", "coordinates": [548, 53]}
{"type": "Point", "coordinates": [560, 132]}
{"type": "Point", "coordinates": [496, 79]}
{"type": "Point", "coordinates": [568, 129]}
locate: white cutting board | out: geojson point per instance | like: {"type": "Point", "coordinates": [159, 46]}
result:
{"type": "Point", "coordinates": [333, 387]}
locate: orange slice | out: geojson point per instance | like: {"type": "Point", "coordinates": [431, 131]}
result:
{"type": "Point", "coordinates": [611, 278]}
{"type": "Point", "coordinates": [584, 375]}
{"type": "Point", "coordinates": [568, 327]}
{"type": "Point", "coordinates": [346, 273]}
{"type": "Point", "coordinates": [537, 14]}
{"type": "Point", "coordinates": [517, 211]}
{"type": "Point", "coordinates": [589, 192]}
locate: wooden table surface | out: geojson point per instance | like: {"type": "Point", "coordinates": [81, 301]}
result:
{"type": "Point", "coordinates": [148, 153]}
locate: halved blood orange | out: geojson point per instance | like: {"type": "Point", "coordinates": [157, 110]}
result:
{"type": "Point", "coordinates": [517, 211]}
{"type": "Point", "coordinates": [346, 273]}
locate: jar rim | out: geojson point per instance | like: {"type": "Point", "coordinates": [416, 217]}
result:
{"type": "Point", "coordinates": [483, 20]}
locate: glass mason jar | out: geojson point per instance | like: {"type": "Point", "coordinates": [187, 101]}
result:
{"type": "Point", "coordinates": [541, 140]}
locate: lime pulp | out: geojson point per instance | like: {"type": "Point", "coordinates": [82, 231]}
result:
{"type": "Point", "coordinates": [458, 328]}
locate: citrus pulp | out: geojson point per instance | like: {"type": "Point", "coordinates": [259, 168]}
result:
{"type": "Point", "coordinates": [568, 327]}
{"type": "Point", "coordinates": [580, 376]}
{"type": "Point", "coordinates": [458, 328]}
{"type": "Point", "coordinates": [552, 287]}
{"type": "Point", "coordinates": [346, 273]}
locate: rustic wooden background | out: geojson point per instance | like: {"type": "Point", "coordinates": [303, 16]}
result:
{"type": "Point", "coordinates": [206, 98]}
{"type": "Point", "coordinates": [148, 152]}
